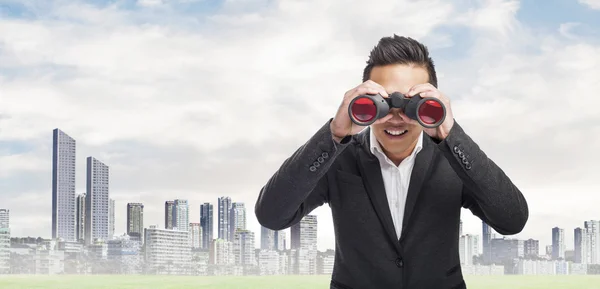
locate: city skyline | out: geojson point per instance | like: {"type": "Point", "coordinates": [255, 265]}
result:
{"type": "Point", "coordinates": [178, 210]}
{"type": "Point", "coordinates": [176, 112]}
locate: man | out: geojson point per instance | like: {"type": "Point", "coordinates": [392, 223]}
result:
{"type": "Point", "coordinates": [395, 189]}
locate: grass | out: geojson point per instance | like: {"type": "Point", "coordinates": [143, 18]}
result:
{"type": "Point", "coordinates": [269, 282]}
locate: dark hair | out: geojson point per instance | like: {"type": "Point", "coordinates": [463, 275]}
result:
{"type": "Point", "coordinates": [400, 50]}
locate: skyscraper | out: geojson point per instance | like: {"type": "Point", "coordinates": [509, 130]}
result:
{"type": "Point", "coordinates": [224, 210]}
{"type": "Point", "coordinates": [206, 222]}
{"type": "Point", "coordinates": [468, 248]}
{"type": "Point", "coordinates": [135, 220]}
{"type": "Point", "coordinates": [304, 240]}
{"type": "Point", "coordinates": [486, 242]}
{"type": "Point", "coordinates": [80, 213]}
{"type": "Point", "coordinates": [558, 243]}
{"type": "Point", "coordinates": [169, 214]}
{"type": "Point", "coordinates": [593, 240]}
{"type": "Point", "coordinates": [267, 239]}
{"type": "Point", "coordinates": [182, 216]}
{"type": "Point", "coordinates": [237, 219]}
{"type": "Point", "coordinates": [63, 186]}
{"type": "Point", "coordinates": [97, 202]}
{"type": "Point", "coordinates": [4, 218]}
{"type": "Point", "coordinates": [304, 233]}
{"type": "Point", "coordinates": [111, 219]}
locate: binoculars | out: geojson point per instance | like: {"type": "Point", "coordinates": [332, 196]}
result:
{"type": "Point", "coordinates": [366, 109]}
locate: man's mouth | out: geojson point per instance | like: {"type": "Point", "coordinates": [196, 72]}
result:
{"type": "Point", "coordinates": [395, 132]}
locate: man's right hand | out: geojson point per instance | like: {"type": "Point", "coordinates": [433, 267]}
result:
{"type": "Point", "coordinates": [342, 125]}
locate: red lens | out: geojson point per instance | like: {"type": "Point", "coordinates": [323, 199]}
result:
{"type": "Point", "coordinates": [363, 109]}
{"type": "Point", "coordinates": [430, 112]}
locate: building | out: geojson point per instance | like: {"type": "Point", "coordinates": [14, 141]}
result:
{"type": "Point", "coordinates": [558, 243]}
{"type": "Point", "coordinates": [486, 242]}
{"type": "Point", "coordinates": [304, 241]}
{"type": "Point", "coordinates": [111, 218]}
{"type": "Point", "coordinates": [4, 250]}
{"type": "Point", "coordinates": [195, 235]}
{"type": "Point", "coordinates": [169, 214]}
{"type": "Point", "coordinates": [63, 186]}
{"type": "Point", "coordinates": [593, 240]}
{"type": "Point", "coordinates": [182, 215]}
{"type": "Point", "coordinates": [97, 202]}
{"type": "Point", "coordinates": [167, 251]}
{"type": "Point", "coordinates": [224, 210]}
{"type": "Point", "coordinates": [221, 253]}
{"type": "Point", "coordinates": [80, 215]}
{"type": "Point", "coordinates": [468, 248]}
{"type": "Point", "coordinates": [4, 218]}
{"type": "Point", "coordinates": [237, 219]}
{"type": "Point", "coordinates": [206, 222]}
{"type": "Point", "coordinates": [135, 221]}
{"type": "Point", "coordinates": [532, 248]}
{"type": "Point", "coordinates": [267, 239]}
{"type": "Point", "coordinates": [243, 248]}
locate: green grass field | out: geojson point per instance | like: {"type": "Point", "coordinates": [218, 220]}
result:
{"type": "Point", "coordinates": [270, 282]}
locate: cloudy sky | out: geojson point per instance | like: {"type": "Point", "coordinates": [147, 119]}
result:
{"type": "Point", "coordinates": [200, 99]}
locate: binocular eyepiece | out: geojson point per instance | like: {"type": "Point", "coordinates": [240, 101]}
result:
{"type": "Point", "coordinates": [365, 109]}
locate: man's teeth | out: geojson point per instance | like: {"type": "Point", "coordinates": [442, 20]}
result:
{"type": "Point", "coordinates": [396, 132]}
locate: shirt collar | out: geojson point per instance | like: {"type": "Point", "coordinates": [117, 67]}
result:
{"type": "Point", "coordinates": [378, 151]}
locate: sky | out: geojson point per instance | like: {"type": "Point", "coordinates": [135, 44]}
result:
{"type": "Point", "coordinates": [197, 99]}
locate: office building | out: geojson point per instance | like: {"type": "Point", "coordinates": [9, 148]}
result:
{"type": "Point", "coordinates": [63, 186]}
{"type": "Point", "coordinates": [97, 203]}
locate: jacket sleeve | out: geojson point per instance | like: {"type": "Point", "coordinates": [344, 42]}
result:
{"type": "Point", "coordinates": [300, 184]}
{"type": "Point", "coordinates": [487, 191]}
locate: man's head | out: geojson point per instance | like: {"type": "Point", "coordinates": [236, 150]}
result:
{"type": "Point", "coordinates": [399, 63]}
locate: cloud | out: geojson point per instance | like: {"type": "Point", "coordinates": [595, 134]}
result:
{"type": "Point", "coordinates": [592, 4]}
{"type": "Point", "coordinates": [186, 106]}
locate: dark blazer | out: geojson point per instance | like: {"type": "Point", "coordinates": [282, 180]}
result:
{"type": "Point", "coordinates": [447, 175]}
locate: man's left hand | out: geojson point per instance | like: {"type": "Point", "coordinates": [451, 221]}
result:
{"type": "Point", "coordinates": [428, 90]}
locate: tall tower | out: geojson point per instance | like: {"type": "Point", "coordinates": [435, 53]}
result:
{"type": "Point", "coordinates": [224, 210]}
{"type": "Point", "coordinates": [63, 186]}
{"type": "Point", "coordinates": [97, 203]}
{"type": "Point", "coordinates": [206, 222]}
{"type": "Point", "coordinates": [169, 214]}
{"type": "Point", "coordinates": [80, 232]}
{"type": "Point", "coordinates": [182, 217]}
{"type": "Point", "coordinates": [486, 242]}
{"type": "Point", "coordinates": [4, 218]}
{"type": "Point", "coordinates": [558, 243]}
{"type": "Point", "coordinates": [237, 219]}
{"type": "Point", "coordinates": [135, 220]}
{"type": "Point", "coordinates": [111, 219]}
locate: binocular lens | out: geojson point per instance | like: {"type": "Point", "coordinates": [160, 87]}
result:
{"type": "Point", "coordinates": [364, 109]}
{"type": "Point", "coordinates": [430, 112]}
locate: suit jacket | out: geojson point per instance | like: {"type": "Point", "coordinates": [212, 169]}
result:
{"type": "Point", "coordinates": [448, 175]}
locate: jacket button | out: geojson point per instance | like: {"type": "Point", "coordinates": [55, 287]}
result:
{"type": "Point", "coordinates": [456, 149]}
{"type": "Point", "coordinates": [312, 168]}
{"type": "Point", "coordinates": [399, 263]}
{"type": "Point", "coordinates": [325, 155]}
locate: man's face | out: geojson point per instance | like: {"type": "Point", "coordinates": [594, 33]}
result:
{"type": "Point", "coordinates": [400, 78]}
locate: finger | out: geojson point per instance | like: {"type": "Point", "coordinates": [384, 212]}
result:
{"type": "Point", "coordinates": [429, 94]}
{"type": "Point", "coordinates": [420, 88]}
{"type": "Point", "coordinates": [366, 90]}
{"type": "Point", "coordinates": [378, 86]}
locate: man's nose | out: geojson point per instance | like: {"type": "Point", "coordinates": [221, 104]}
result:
{"type": "Point", "coordinates": [398, 116]}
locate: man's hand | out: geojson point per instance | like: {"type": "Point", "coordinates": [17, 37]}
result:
{"type": "Point", "coordinates": [428, 90]}
{"type": "Point", "coordinates": [342, 125]}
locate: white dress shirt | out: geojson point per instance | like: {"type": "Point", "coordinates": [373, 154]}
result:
{"type": "Point", "coordinates": [396, 179]}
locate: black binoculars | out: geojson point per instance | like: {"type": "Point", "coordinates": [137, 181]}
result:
{"type": "Point", "coordinates": [365, 109]}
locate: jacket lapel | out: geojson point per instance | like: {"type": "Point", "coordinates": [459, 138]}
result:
{"type": "Point", "coordinates": [421, 170]}
{"type": "Point", "coordinates": [370, 170]}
